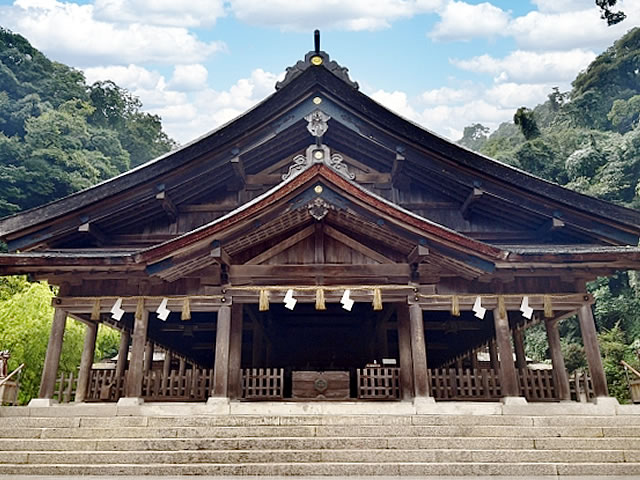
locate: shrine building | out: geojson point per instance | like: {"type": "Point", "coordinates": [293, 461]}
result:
{"type": "Point", "coordinates": [320, 247]}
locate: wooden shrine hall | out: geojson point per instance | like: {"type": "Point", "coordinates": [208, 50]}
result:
{"type": "Point", "coordinates": [320, 247]}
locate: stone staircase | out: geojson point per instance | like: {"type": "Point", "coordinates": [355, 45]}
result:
{"type": "Point", "coordinates": [161, 441]}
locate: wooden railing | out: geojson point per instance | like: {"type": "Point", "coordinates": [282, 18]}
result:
{"type": "Point", "coordinates": [581, 387]}
{"type": "Point", "coordinates": [263, 383]}
{"type": "Point", "coordinates": [379, 383]}
{"type": "Point", "coordinates": [484, 384]}
{"type": "Point", "coordinates": [105, 386]}
{"type": "Point", "coordinates": [65, 390]}
{"type": "Point", "coordinates": [464, 384]}
{"type": "Point", "coordinates": [195, 384]}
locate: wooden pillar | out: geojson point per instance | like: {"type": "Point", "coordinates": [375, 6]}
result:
{"type": "Point", "coordinates": [518, 343]}
{"type": "Point", "coordinates": [418, 352]}
{"type": "Point", "coordinates": [221, 368]}
{"type": "Point", "coordinates": [508, 376]}
{"type": "Point", "coordinates": [235, 351]}
{"type": "Point", "coordinates": [404, 348]}
{"type": "Point", "coordinates": [148, 356]}
{"type": "Point", "coordinates": [592, 350]}
{"type": "Point", "coordinates": [136, 364]}
{"type": "Point", "coordinates": [559, 370]}
{"type": "Point", "coordinates": [182, 367]}
{"type": "Point", "coordinates": [52, 358]}
{"type": "Point", "coordinates": [493, 355]}
{"type": "Point", "coordinates": [86, 361]}
{"type": "Point", "coordinates": [123, 353]}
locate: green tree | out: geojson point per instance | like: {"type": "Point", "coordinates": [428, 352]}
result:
{"type": "Point", "coordinates": [624, 114]}
{"type": "Point", "coordinates": [474, 136]}
{"type": "Point", "coordinates": [525, 119]}
{"type": "Point", "coordinates": [608, 14]}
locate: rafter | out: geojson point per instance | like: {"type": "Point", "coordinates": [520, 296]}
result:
{"type": "Point", "coordinates": [167, 205]}
{"type": "Point", "coordinates": [91, 229]}
{"type": "Point", "coordinates": [356, 245]}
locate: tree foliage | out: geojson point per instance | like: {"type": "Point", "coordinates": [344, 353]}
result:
{"type": "Point", "coordinates": [608, 14]}
{"type": "Point", "coordinates": [59, 135]}
{"type": "Point", "coordinates": [25, 322]}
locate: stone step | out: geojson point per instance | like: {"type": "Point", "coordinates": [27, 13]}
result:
{"type": "Point", "coordinates": [319, 456]}
{"type": "Point", "coordinates": [335, 469]}
{"type": "Point", "coordinates": [322, 431]}
{"type": "Point", "coordinates": [319, 420]}
{"type": "Point", "coordinates": [295, 443]}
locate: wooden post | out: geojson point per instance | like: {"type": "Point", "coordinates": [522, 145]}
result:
{"type": "Point", "coordinates": [221, 368]}
{"type": "Point", "coordinates": [518, 343]}
{"type": "Point", "coordinates": [135, 373]}
{"type": "Point", "coordinates": [86, 361]}
{"type": "Point", "coordinates": [166, 364]}
{"type": "Point", "coordinates": [182, 366]}
{"type": "Point", "coordinates": [592, 349]}
{"type": "Point", "coordinates": [418, 352]}
{"type": "Point", "coordinates": [404, 347]}
{"type": "Point", "coordinates": [508, 376]}
{"type": "Point", "coordinates": [559, 370]}
{"type": "Point", "coordinates": [474, 359]}
{"type": "Point", "coordinates": [52, 358]}
{"type": "Point", "coordinates": [123, 353]}
{"type": "Point", "coordinates": [493, 355]}
{"type": "Point", "coordinates": [148, 356]}
{"type": "Point", "coordinates": [235, 351]}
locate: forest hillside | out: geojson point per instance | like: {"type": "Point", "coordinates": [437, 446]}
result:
{"type": "Point", "coordinates": [587, 139]}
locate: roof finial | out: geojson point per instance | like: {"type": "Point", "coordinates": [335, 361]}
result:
{"type": "Point", "coordinates": [316, 39]}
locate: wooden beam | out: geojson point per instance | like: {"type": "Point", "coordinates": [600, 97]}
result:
{"type": "Point", "coordinates": [549, 226]}
{"type": "Point", "coordinates": [418, 254]}
{"type": "Point", "coordinates": [475, 195]}
{"type": "Point", "coordinates": [399, 179]}
{"type": "Point", "coordinates": [94, 232]}
{"type": "Point", "coordinates": [282, 246]}
{"type": "Point", "coordinates": [239, 180]}
{"type": "Point", "coordinates": [221, 256]}
{"type": "Point", "coordinates": [297, 272]}
{"type": "Point", "coordinates": [167, 205]}
{"type": "Point", "coordinates": [357, 246]}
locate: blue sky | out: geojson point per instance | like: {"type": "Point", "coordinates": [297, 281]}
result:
{"type": "Point", "coordinates": [442, 63]}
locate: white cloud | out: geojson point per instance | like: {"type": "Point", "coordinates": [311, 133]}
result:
{"type": "Point", "coordinates": [189, 77]}
{"type": "Point", "coordinates": [566, 30]}
{"type": "Point", "coordinates": [514, 95]}
{"type": "Point", "coordinates": [71, 34]}
{"type": "Point", "coordinates": [194, 13]}
{"type": "Point", "coordinates": [398, 102]}
{"type": "Point", "coordinates": [446, 95]}
{"type": "Point", "coordinates": [131, 77]}
{"type": "Point", "coordinates": [451, 120]}
{"type": "Point", "coordinates": [463, 21]}
{"type": "Point", "coordinates": [562, 5]}
{"type": "Point", "coordinates": [354, 15]}
{"type": "Point", "coordinates": [530, 67]}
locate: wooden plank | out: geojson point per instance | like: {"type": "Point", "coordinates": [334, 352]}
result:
{"type": "Point", "coordinates": [221, 368]}
{"type": "Point", "coordinates": [281, 246]}
{"type": "Point", "coordinates": [310, 384]}
{"type": "Point", "coordinates": [52, 357]}
{"type": "Point", "coordinates": [357, 246]}
{"type": "Point", "coordinates": [592, 350]}
{"type": "Point", "coordinates": [328, 270]}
